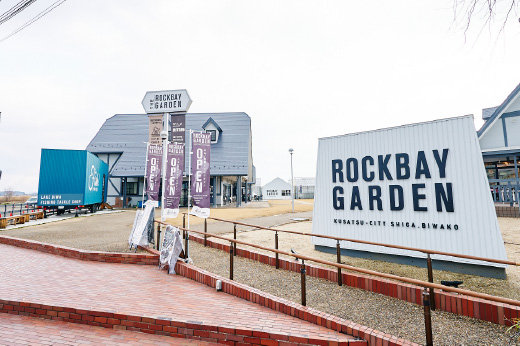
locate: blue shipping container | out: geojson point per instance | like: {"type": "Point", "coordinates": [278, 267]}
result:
{"type": "Point", "coordinates": [71, 178]}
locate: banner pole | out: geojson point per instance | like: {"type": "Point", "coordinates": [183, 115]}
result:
{"type": "Point", "coordinates": [163, 168]}
{"type": "Point", "coordinates": [145, 172]}
{"type": "Point", "coordinates": [189, 195]}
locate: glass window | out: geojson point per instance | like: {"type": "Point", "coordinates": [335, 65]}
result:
{"type": "Point", "coordinates": [213, 135]}
{"type": "Point", "coordinates": [506, 173]}
{"type": "Point", "coordinates": [490, 173]}
{"type": "Point", "coordinates": [132, 188]}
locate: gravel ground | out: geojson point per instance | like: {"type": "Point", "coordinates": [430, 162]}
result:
{"type": "Point", "coordinates": [509, 288]}
{"type": "Point", "coordinates": [101, 232]}
{"type": "Point", "coordinates": [392, 316]}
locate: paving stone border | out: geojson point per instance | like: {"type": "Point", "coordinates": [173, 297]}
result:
{"type": "Point", "coordinates": [164, 326]}
{"type": "Point", "coordinates": [481, 309]}
{"type": "Point", "coordinates": [507, 211]}
{"type": "Point", "coordinates": [98, 256]}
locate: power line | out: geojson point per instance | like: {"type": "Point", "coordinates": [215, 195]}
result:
{"type": "Point", "coordinates": [38, 16]}
{"type": "Point", "coordinates": [19, 7]}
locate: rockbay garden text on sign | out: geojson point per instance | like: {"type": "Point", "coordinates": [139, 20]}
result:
{"type": "Point", "coordinates": [166, 101]}
{"type": "Point", "coordinates": [419, 185]}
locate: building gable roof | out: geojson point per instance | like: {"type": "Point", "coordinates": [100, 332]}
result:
{"type": "Point", "coordinates": [277, 184]}
{"type": "Point", "coordinates": [498, 111]}
{"type": "Point", "coordinates": [211, 121]}
{"type": "Point", "coordinates": [128, 133]}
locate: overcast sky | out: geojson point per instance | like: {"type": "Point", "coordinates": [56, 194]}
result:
{"type": "Point", "coordinates": [301, 70]}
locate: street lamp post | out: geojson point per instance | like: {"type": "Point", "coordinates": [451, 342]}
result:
{"type": "Point", "coordinates": [292, 180]}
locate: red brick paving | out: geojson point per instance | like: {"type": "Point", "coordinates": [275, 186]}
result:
{"type": "Point", "coordinates": [32, 276]}
{"type": "Point", "coordinates": [21, 330]}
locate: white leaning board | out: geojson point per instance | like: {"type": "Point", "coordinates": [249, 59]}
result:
{"type": "Point", "coordinates": [477, 232]}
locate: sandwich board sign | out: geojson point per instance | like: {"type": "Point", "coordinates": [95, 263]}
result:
{"type": "Point", "coordinates": [419, 185]}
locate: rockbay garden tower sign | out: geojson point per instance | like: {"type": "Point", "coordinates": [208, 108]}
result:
{"type": "Point", "coordinates": [420, 185]}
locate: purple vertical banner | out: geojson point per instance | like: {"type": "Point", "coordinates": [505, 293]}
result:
{"type": "Point", "coordinates": [200, 180]}
{"type": "Point", "coordinates": [153, 168]}
{"type": "Point", "coordinates": [174, 169]}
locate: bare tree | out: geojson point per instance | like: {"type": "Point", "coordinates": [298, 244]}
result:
{"type": "Point", "coordinates": [488, 13]}
{"type": "Point", "coordinates": [8, 194]}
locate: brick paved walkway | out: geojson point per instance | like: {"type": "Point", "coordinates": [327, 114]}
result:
{"type": "Point", "coordinates": [21, 330]}
{"type": "Point", "coordinates": [36, 277]}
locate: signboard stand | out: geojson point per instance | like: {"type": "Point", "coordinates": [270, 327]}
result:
{"type": "Point", "coordinates": [165, 102]}
{"type": "Point", "coordinates": [419, 186]}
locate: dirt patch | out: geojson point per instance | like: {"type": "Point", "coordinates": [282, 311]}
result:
{"type": "Point", "coordinates": [250, 210]}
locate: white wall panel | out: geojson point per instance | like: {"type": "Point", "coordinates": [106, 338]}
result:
{"type": "Point", "coordinates": [494, 137]}
{"type": "Point", "coordinates": [474, 215]}
{"type": "Point", "coordinates": [513, 129]}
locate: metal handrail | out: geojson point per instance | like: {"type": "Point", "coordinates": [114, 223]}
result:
{"type": "Point", "coordinates": [361, 270]}
{"type": "Point", "coordinates": [426, 251]}
{"type": "Point", "coordinates": [14, 208]}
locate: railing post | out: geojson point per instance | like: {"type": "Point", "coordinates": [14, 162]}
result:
{"type": "Point", "coordinates": [186, 245]}
{"type": "Point", "coordinates": [338, 254]}
{"type": "Point", "coordinates": [184, 234]}
{"type": "Point", "coordinates": [430, 279]}
{"type": "Point", "coordinates": [157, 245]}
{"type": "Point", "coordinates": [231, 261]}
{"type": "Point", "coordinates": [427, 318]}
{"type": "Point", "coordinates": [235, 237]}
{"type": "Point", "coordinates": [276, 247]}
{"type": "Point", "coordinates": [205, 231]}
{"type": "Point", "coordinates": [304, 288]}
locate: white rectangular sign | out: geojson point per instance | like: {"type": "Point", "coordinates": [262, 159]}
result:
{"type": "Point", "coordinates": [166, 101]}
{"type": "Point", "coordinates": [419, 185]}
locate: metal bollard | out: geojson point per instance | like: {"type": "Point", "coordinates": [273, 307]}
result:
{"type": "Point", "coordinates": [338, 253]}
{"type": "Point", "coordinates": [430, 279]}
{"type": "Point", "coordinates": [186, 236]}
{"type": "Point", "coordinates": [276, 247]}
{"type": "Point", "coordinates": [157, 245]}
{"type": "Point", "coordinates": [231, 261]}
{"type": "Point", "coordinates": [183, 220]}
{"type": "Point", "coordinates": [304, 288]}
{"type": "Point", "coordinates": [235, 237]}
{"type": "Point", "coordinates": [427, 318]}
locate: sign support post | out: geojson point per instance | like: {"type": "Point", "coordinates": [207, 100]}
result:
{"type": "Point", "coordinates": [145, 172]}
{"type": "Point", "coordinates": [164, 137]}
{"type": "Point", "coordinates": [189, 196]}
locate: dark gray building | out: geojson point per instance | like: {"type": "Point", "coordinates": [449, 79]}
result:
{"type": "Point", "coordinates": [121, 143]}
